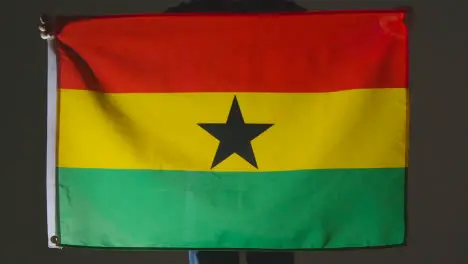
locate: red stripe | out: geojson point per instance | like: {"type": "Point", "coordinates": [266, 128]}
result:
{"type": "Point", "coordinates": [312, 52]}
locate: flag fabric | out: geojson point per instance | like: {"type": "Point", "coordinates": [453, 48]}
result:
{"type": "Point", "coordinates": [258, 131]}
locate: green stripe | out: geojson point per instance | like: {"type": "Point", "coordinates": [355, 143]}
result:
{"type": "Point", "coordinates": [279, 210]}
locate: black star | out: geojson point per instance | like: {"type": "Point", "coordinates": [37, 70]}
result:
{"type": "Point", "coordinates": [235, 136]}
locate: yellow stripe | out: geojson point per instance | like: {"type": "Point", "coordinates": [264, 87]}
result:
{"type": "Point", "coordinates": [363, 128]}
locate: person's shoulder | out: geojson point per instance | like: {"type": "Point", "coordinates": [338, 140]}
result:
{"type": "Point", "coordinates": [178, 8]}
{"type": "Point", "coordinates": [242, 6]}
{"type": "Point", "coordinates": [293, 7]}
{"type": "Point", "coordinates": [194, 6]}
{"type": "Point", "coordinates": [269, 6]}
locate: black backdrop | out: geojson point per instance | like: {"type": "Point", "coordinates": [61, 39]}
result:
{"type": "Point", "coordinates": [437, 186]}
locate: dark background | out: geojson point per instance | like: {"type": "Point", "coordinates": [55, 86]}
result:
{"type": "Point", "coordinates": [437, 186]}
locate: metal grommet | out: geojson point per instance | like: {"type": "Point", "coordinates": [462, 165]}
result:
{"type": "Point", "coordinates": [55, 240]}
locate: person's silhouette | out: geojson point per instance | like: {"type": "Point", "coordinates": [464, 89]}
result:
{"type": "Point", "coordinates": [238, 6]}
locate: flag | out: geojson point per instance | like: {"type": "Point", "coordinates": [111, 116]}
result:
{"type": "Point", "coordinates": [253, 131]}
